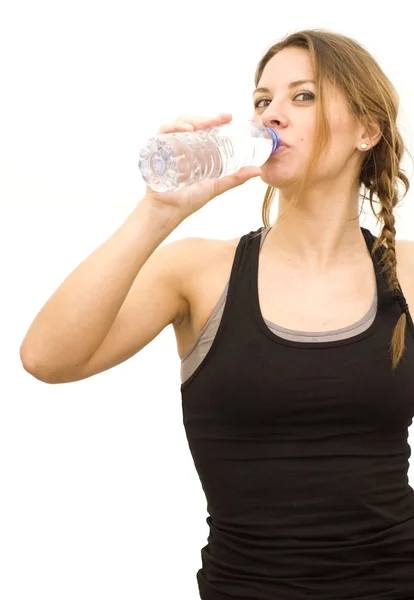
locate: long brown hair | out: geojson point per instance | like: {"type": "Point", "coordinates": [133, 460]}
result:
{"type": "Point", "coordinates": [371, 97]}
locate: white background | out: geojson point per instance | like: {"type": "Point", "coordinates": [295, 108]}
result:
{"type": "Point", "coordinates": [99, 497]}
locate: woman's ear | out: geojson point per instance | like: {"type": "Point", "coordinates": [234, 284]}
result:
{"type": "Point", "coordinates": [370, 134]}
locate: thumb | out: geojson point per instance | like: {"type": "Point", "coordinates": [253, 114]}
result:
{"type": "Point", "coordinates": [238, 178]}
{"type": "Point", "coordinates": [247, 173]}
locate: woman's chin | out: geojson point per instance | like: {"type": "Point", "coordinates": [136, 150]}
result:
{"type": "Point", "coordinates": [276, 177]}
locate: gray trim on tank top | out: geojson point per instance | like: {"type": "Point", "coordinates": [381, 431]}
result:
{"type": "Point", "coordinates": [196, 354]}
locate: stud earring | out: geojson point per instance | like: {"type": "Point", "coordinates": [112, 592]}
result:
{"type": "Point", "coordinates": [364, 146]}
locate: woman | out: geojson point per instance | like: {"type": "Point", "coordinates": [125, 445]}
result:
{"type": "Point", "coordinates": [296, 340]}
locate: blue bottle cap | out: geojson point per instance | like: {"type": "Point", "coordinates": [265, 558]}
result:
{"type": "Point", "coordinates": [275, 137]}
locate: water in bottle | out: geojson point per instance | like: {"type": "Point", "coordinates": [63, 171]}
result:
{"type": "Point", "coordinates": [170, 161]}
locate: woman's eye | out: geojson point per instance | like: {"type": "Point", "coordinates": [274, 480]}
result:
{"type": "Point", "coordinates": [256, 104]}
{"type": "Point", "coordinates": [308, 96]}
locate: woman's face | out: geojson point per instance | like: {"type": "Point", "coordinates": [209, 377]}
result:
{"type": "Point", "coordinates": [288, 106]}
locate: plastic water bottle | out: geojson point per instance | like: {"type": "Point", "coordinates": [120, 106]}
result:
{"type": "Point", "coordinates": [170, 161]}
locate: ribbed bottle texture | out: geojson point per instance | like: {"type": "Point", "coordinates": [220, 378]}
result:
{"type": "Point", "coordinates": [174, 160]}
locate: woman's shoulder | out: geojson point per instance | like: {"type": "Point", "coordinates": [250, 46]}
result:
{"type": "Point", "coordinates": [200, 252]}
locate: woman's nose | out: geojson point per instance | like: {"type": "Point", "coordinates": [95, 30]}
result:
{"type": "Point", "coordinates": [274, 119]}
{"type": "Point", "coordinates": [274, 116]}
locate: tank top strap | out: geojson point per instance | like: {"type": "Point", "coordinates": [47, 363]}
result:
{"type": "Point", "coordinates": [385, 296]}
{"type": "Point", "coordinates": [387, 299]}
{"type": "Point", "coordinates": [238, 304]}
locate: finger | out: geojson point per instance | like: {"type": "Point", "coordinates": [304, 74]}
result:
{"type": "Point", "coordinates": [175, 127]}
{"type": "Point", "coordinates": [228, 182]}
{"type": "Point", "coordinates": [191, 123]}
{"type": "Point", "coordinates": [225, 116]}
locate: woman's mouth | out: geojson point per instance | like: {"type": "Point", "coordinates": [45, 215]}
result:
{"type": "Point", "coordinates": [281, 148]}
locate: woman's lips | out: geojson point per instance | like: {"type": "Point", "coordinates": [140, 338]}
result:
{"type": "Point", "coordinates": [283, 144]}
{"type": "Point", "coordinates": [281, 148]}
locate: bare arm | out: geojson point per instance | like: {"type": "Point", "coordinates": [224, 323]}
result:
{"type": "Point", "coordinates": [122, 295]}
{"type": "Point", "coordinates": [113, 304]}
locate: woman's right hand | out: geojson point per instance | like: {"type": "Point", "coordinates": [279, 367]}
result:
{"type": "Point", "coordinates": [187, 200]}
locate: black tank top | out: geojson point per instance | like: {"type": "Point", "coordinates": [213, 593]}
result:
{"type": "Point", "coordinates": [302, 452]}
